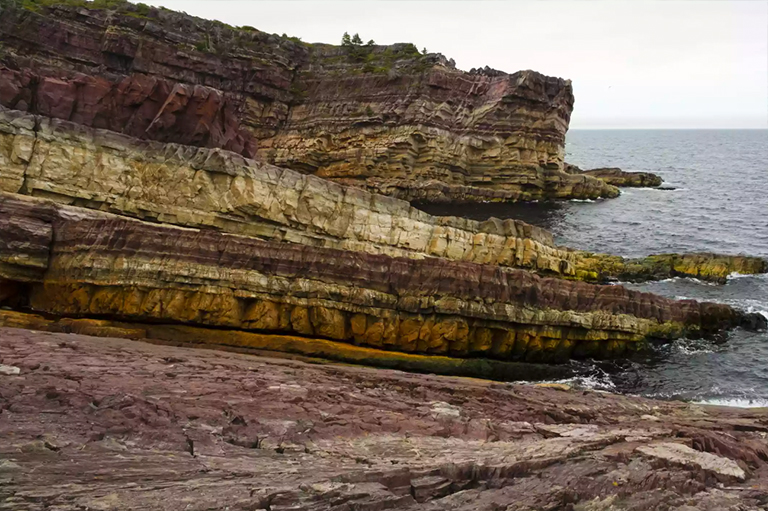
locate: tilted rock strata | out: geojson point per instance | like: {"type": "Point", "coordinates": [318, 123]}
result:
{"type": "Point", "coordinates": [389, 120]}
{"type": "Point", "coordinates": [617, 177]}
{"type": "Point", "coordinates": [218, 189]}
{"type": "Point", "coordinates": [102, 265]}
{"type": "Point", "coordinates": [98, 423]}
{"type": "Point", "coordinates": [285, 345]}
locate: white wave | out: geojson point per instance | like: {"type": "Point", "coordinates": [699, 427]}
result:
{"type": "Point", "coordinates": [582, 200]}
{"type": "Point", "coordinates": [691, 348]}
{"type": "Point", "coordinates": [600, 381]}
{"type": "Point", "coordinates": [735, 402]}
{"type": "Point", "coordinates": [688, 279]}
{"type": "Point", "coordinates": [736, 275]}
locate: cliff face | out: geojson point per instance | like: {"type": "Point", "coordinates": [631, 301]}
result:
{"type": "Point", "coordinates": [140, 190]}
{"type": "Point", "coordinates": [217, 189]}
{"type": "Point", "coordinates": [384, 118]}
{"type": "Point", "coordinates": [213, 188]}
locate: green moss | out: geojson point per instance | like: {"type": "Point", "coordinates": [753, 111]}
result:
{"type": "Point", "coordinates": [203, 45]}
{"type": "Point", "coordinates": [123, 6]}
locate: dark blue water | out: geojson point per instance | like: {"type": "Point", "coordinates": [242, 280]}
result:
{"type": "Point", "coordinates": [720, 204]}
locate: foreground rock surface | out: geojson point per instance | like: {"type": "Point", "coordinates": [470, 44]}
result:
{"type": "Point", "coordinates": [385, 118]}
{"type": "Point", "coordinates": [92, 423]}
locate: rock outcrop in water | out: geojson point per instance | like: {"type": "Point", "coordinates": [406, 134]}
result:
{"type": "Point", "coordinates": [704, 266]}
{"type": "Point", "coordinates": [617, 177]}
{"type": "Point", "coordinates": [385, 118]}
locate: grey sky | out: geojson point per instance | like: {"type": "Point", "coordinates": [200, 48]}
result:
{"type": "Point", "coordinates": [634, 63]}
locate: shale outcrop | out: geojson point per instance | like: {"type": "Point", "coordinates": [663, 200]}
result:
{"type": "Point", "coordinates": [385, 118]}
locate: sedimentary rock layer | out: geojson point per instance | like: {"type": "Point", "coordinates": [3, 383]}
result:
{"type": "Point", "coordinates": [218, 189]}
{"type": "Point", "coordinates": [213, 188]}
{"type": "Point", "coordinates": [95, 423]}
{"type": "Point", "coordinates": [704, 266]}
{"type": "Point", "coordinates": [385, 118]}
{"type": "Point", "coordinates": [106, 266]}
{"type": "Point", "coordinates": [617, 177]}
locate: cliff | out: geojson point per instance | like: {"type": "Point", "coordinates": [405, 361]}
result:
{"type": "Point", "coordinates": [178, 181]}
{"type": "Point", "coordinates": [217, 189]}
{"type": "Point", "coordinates": [384, 118]}
{"type": "Point", "coordinates": [142, 193]}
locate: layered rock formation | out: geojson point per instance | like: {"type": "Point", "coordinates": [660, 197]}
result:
{"type": "Point", "coordinates": [96, 423]}
{"type": "Point", "coordinates": [381, 117]}
{"type": "Point", "coordinates": [101, 265]}
{"type": "Point", "coordinates": [234, 242]}
{"type": "Point", "coordinates": [616, 177]}
{"type": "Point", "coordinates": [217, 189]}
{"type": "Point", "coordinates": [705, 266]}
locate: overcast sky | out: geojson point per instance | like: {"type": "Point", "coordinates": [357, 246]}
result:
{"type": "Point", "coordinates": [634, 63]}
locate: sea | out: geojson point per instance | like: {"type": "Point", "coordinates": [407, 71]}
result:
{"type": "Point", "coordinates": [716, 201]}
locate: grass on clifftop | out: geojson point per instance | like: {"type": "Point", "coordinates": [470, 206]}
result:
{"type": "Point", "coordinates": [365, 57]}
{"type": "Point", "coordinates": [141, 10]}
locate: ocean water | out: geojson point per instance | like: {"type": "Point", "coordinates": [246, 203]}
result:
{"type": "Point", "coordinates": [719, 204]}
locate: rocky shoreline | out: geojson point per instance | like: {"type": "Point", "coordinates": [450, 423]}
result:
{"type": "Point", "coordinates": [617, 177]}
{"type": "Point", "coordinates": [175, 180]}
{"type": "Point", "coordinates": [95, 423]}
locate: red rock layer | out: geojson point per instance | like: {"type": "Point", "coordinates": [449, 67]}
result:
{"type": "Point", "coordinates": [395, 122]}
